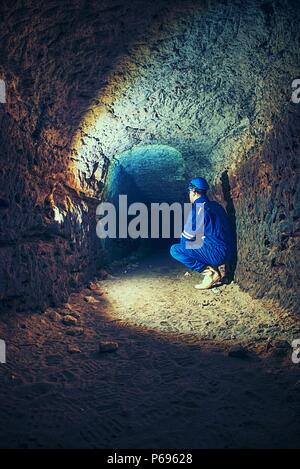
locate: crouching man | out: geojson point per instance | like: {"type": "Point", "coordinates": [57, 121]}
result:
{"type": "Point", "coordinates": [207, 221]}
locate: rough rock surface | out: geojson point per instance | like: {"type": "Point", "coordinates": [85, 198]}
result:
{"type": "Point", "coordinates": [87, 81]}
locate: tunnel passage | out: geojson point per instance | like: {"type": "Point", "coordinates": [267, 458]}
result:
{"type": "Point", "coordinates": [146, 174]}
{"type": "Point", "coordinates": [87, 81]}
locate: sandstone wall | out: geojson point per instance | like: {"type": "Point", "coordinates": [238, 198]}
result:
{"type": "Point", "coordinates": [87, 81]}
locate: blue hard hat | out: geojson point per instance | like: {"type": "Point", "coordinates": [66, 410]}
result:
{"type": "Point", "coordinates": [198, 183]}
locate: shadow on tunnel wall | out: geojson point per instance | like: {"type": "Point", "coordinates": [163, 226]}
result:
{"type": "Point", "coordinates": [230, 266]}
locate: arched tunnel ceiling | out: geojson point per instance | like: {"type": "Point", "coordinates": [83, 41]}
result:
{"type": "Point", "coordinates": [198, 86]}
{"type": "Point", "coordinates": [207, 78]}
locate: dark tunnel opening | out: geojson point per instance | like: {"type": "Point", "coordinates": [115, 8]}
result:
{"type": "Point", "coordinates": [146, 174]}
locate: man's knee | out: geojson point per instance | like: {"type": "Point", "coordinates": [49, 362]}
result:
{"type": "Point", "coordinates": [174, 251]}
{"type": "Point", "coordinates": [179, 253]}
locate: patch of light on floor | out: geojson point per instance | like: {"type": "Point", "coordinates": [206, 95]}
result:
{"type": "Point", "coordinates": [162, 299]}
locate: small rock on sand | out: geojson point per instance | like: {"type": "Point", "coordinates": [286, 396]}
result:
{"type": "Point", "coordinates": [75, 332]}
{"type": "Point", "coordinates": [74, 350]}
{"type": "Point", "coordinates": [69, 320]}
{"type": "Point", "coordinates": [90, 299]}
{"type": "Point", "coordinates": [66, 312]}
{"type": "Point", "coordinates": [75, 314]}
{"type": "Point", "coordinates": [107, 346]}
{"type": "Point", "coordinates": [54, 316]}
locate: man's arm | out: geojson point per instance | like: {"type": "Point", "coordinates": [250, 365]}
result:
{"type": "Point", "coordinates": [193, 232]}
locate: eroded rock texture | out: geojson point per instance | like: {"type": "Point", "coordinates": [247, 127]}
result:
{"type": "Point", "coordinates": [87, 81]}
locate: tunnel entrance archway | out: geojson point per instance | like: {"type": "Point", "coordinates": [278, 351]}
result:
{"type": "Point", "coordinates": [147, 174]}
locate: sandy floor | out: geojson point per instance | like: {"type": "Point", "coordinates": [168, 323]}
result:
{"type": "Point", "coordinates": [194, 369]}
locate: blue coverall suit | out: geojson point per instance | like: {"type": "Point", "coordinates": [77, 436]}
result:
{"type": "Point", "coordinates": [217, 247]}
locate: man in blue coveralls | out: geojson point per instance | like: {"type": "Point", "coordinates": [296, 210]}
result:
{"type": "Point", "coordinates": [207, 218]}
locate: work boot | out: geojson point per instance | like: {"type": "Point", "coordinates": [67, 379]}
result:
{"type": "Point", "coordinates": [206, 271]}
{"type": "Point", "coordinates": [211, 277]}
